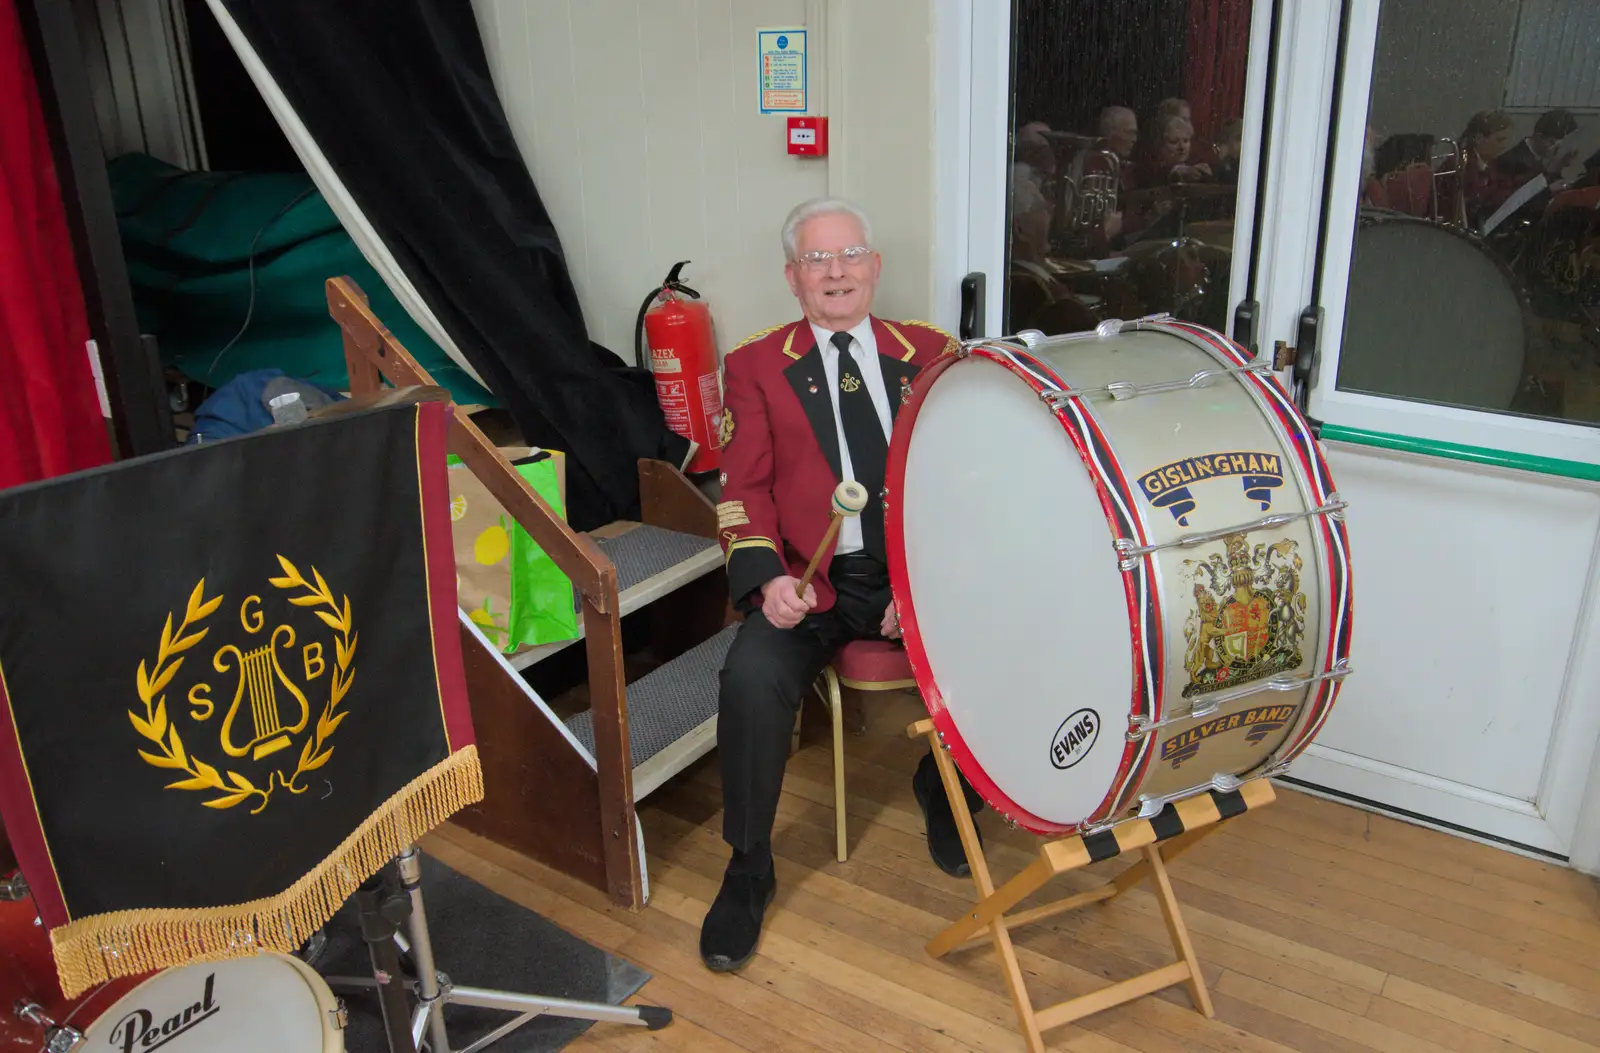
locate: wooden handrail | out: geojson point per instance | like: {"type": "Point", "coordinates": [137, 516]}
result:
{"type": "Point", "coordinates": [578, 557]}
{"type": "Point", "coordinates": [372, 355]}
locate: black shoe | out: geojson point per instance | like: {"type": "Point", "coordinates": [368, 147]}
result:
{"type": "Point", "coordinates": [733, 924]}
{"type": "Point", "coordinates": [944, 839]}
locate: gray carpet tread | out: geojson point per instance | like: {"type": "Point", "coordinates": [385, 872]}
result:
{"type": "Point", "coordinates": [651, 562]}
{"type": "Point", "coordinates": [669, 702]}
{"type": "Point", "coordinates": [646, 551]}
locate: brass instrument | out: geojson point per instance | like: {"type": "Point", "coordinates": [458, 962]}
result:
{"type": "Point", "coordinates": [1446, 166]}
{"type": "Point", "coordinates": [1089, 197]}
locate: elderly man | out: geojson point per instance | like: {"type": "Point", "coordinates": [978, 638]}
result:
{"type": "Point", "coordinates": [806, 405]}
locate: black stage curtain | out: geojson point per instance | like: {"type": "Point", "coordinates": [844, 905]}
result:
{"type": "Point", "coordinates": [397, 95]}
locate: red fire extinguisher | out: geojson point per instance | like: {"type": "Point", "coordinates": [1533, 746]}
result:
{"type": "Point", "coordinates": [683, 357]}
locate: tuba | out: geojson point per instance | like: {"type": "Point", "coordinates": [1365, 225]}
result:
{"type": "Point", "coordinates": [1091, 196]}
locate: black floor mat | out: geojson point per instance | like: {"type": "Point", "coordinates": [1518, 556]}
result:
{"type": "Point", "coordinates": [483, 940]}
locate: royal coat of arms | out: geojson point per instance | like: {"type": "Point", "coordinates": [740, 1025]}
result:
{"type": "Point", "coordinates": [1249, 617]}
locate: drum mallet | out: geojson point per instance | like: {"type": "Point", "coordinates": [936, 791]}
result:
{"type": "Point", "coordinates": [849, 498]}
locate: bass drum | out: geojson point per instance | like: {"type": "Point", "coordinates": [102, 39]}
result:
{"type": "Point", "coordinates": [1119, 585]}
{"type": "Point", "coordinates": [270, 1003]}
{"type": "Point", "coordinates": [1432, 314]}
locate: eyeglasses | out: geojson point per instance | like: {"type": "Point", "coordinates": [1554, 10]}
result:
{"type": "Point", "coordinates": [854, 256]}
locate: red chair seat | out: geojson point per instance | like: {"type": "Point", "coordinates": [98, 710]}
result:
{"type": "Point", "coordinates": [872, 662]}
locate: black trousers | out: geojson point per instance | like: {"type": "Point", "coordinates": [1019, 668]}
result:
{"type": "Point", "coordinates": [764, 679]}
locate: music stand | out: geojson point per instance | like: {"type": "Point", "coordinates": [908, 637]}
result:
{"type": "Point", "coordinates": [434, 990]}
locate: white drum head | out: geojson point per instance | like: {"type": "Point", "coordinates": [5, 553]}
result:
{"type": "Point", "coordinates": [267, 1004]}
{"type": "Point", "coordinates": [1011, 596]}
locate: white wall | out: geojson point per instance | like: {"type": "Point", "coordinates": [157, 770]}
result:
{"type": "Point", "coordinates": [639, 122]}
{"type": "Point", "coordinates": [1439, 62]}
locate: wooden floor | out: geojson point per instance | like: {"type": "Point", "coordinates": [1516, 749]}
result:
{"type": "Point", "coordinates": [1320, 928]}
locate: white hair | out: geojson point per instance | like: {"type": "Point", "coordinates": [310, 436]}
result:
{"type": "Point", "coordinates": [1110, 115]}
{"type": "Point", "coordinates": [821, 206]}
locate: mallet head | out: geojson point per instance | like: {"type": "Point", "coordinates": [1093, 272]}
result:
{"type": "Point", "coordinates": [849, 498]}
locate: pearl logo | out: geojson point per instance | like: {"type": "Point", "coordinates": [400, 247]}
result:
{"type": "Point", "coordinates": [1074, 739]}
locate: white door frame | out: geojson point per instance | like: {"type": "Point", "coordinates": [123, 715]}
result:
{"type": "Point", "coordinates": [972, 93]}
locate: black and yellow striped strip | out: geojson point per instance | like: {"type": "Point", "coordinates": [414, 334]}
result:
{"type": "Point", "coordinates": [1179, 817]}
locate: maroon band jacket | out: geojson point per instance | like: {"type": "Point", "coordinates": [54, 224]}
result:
{"type": "Point", "coordinates": [780, 448]}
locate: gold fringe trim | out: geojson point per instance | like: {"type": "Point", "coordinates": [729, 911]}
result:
{"type": "Point", "coordinates": [133, 942]}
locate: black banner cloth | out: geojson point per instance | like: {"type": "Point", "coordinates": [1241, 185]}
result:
{"type": "Point", "coordinates": [231, 687]}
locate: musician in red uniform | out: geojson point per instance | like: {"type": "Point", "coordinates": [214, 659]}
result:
{"type": "Point", "coordinates": [806, 405]}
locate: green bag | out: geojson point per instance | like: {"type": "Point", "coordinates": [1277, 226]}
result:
{"type": "Point", "coordinates": [510, 588]}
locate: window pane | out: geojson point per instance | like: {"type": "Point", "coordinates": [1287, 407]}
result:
{"type": "Point", "coordinates": [1475, 279]}
{"type": "Point", "coordinates": [1125, 160]}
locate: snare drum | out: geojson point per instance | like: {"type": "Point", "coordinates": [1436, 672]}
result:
{"type": "Point", "coordinates": [1121, 570]}
{"type": "Point", "coordinates": [1432, 313]}
{"type": "Point", "coordinates": [269, 1003]}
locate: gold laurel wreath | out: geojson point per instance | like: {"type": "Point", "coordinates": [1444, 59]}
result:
{"type": "Point", "coordinates": [313, 755]}
{"type": "Point", "coordinates": [154, 725]}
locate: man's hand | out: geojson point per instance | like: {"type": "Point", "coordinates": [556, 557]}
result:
{"type": "Point", "coordinates": [891, 623]}
{"type": "Point", "coordinates": [781, 606]}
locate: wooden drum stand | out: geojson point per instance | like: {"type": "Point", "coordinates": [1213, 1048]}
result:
{"type": "Point", "coordinates": [1179, 827]}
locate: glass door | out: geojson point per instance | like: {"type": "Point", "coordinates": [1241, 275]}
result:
{"type": "Point", "coordinates": [1457, 372]}
{"type": "Point", "coordinates": [1462, 263]}
{"type": "Point", "coordinates": [1131, 138]}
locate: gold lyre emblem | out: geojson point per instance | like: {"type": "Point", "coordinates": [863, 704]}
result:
{"type": "Point", "coordinates": [849, 383]}
{"type": "Point", "coordinates": [260, 675]}
{"type": "Point", "coordinates": [275, 670]}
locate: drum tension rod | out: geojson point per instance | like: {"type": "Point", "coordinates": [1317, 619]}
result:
{"type": "Point", "coordinates": [1120, 390]}
{"type": "Point", "coordinates": [1139, 727]}
{"type": "Point", "coordinates": [1131, 550]}
{"type": "Point", "coordinates": [1221, 782]}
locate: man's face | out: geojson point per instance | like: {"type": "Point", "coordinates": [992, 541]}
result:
{"type": "Point", "coordinates": [836, 294]}
{"type": "Point", "coordinates": [1494, 144]}
{"type": "Point", "coordinates": [1124, 135]}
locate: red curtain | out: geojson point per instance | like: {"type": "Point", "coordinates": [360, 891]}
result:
{"type": "Point", "coordinates": [50, 420]}
{"type": "Point", "coordinates": [1216, 53]}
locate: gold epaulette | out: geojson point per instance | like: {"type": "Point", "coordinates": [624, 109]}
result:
{"type": "Point", "coordinates": [950, 342]}
{"type": "Point", "coordinates": [925, 325]}
{"type": "Point", "coordinates": [753, 337]}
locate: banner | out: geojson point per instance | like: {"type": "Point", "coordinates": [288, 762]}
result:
{"type": "Point", "coordinates": [231, 687]}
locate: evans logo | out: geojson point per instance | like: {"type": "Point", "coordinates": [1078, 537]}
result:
{"type": "Point", "coordinates": [1074, 738]}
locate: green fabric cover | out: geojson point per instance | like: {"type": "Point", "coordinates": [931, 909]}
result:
{"type": "Point", "coordinates": [188, 239]}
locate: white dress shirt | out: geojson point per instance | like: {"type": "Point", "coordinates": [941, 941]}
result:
{"type": "Point", "coordinates": [864, 347]}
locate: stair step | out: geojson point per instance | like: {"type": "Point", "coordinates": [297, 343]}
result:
{"type": "Point", "coordinates": [672, 714]}
{"type": "Point", "coordinates": [651, 563]}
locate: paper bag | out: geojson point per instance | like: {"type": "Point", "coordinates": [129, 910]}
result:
{"type": "Point", "coordinates": [510, 588]}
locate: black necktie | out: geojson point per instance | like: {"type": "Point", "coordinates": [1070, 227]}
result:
{"type": "Point", "coordinates": [869, 449]}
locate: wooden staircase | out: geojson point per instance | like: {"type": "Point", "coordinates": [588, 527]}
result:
{"type": "Point", "coordinates": [563, 791]}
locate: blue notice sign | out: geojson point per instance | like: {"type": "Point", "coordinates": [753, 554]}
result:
{"type": "Point", "coordinates": [781, 69]}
